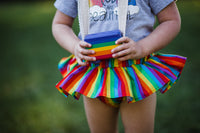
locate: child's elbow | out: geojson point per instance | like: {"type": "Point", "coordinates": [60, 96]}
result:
{"type": "Point", "coordinates": [177, 24]}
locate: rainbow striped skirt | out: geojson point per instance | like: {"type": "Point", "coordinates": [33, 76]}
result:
{"type": "Point", "coordinates": [114, 81]}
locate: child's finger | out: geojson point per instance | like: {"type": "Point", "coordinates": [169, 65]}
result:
{"type": "Point", "coordinates": [121, 53]}
{"type": "Point", "coordinates": [87, 58]}
{"type": "Point", "coordinates": [84, 44]}
{"type": "Point", "coordinates": [86, 52]}
{"type": "Point", "coordinates": [120, 48]}
{"type": "Point", "coordinates": [80, 62]}
{"type": "Point", "coordinates": [124, 58]}
{"type": "Point", "coordinates": [122, 40]}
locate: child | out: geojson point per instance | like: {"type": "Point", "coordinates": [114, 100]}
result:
{"type": "Point", "coordinates": [126, 83]}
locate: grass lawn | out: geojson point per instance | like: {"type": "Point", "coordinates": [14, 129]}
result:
{"type": "Point", "coordinates": [29, 55]}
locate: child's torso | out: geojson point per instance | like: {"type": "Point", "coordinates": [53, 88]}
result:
{"type": "Point", "coordinates": [104, 17]}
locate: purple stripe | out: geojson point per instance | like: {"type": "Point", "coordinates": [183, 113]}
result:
{"type": "Point", "coordinates": [120, 89]}
{"type": "Point", "coordinates": [139, 85]}
{"type": "Point", "coordinates": [119, 83]}
{"type": "Point", "coordinates": [83, 80]}
{"type": "Point", "coordinates": [184, 58]}
{"type": "Point", "coordinates": [164, 70]}
{"type": "Point", "coordinates": [156, 75]}
{"type": "Point", "coordinates": [71, 75]}
{"type": "Point", "coordinates": [101, 84]}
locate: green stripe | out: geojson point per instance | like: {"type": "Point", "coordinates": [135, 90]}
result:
{"type": "Point", "coordinates": [147, 77]}
{"type": "Point", "coordinates": [133, 85]}
{"type": "Point", "coordinates": [97, 83]}
{"type": "Point", "coordinates": [99, 45]}
{"type": "Point", "coordinates": [112, 82]}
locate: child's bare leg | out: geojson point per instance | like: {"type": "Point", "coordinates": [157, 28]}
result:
{"type": "Point", "coordinates": [139, 117]}
{"type": "Point", "coordinates": [101, 118]}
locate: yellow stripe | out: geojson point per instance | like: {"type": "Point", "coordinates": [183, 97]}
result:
{"type": "Point", "coordinates": [154, 61]}
{"type": "Point", "coordinates": [144, 79]}
{"type": "Point", "coordinates": [93, 85]}
{"type": "Point", "coordinates": [105, 48]}
{"type": "Point", "coordinates": [108, 82]}
{"type": "Point", "coordinates": [73, 65]}
{"type": "Point", "coordinates": [74, 88]}
{"type": "Point", "coordinates": [76, 85]}
{"type": "Point", "coordinates": [128, 82]}
{"type": "Point", "coordinates": [115, 62]}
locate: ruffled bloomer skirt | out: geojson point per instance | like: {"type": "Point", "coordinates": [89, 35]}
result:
{"type": "Point", "coordinates": [114, 81]}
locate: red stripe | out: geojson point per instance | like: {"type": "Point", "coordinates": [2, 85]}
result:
{"type": "Point", "coordinates": [71, 82]}
{"type": "Point", "coordinates": [103, 87]}
{"type": "Point", "coordinates": [58, 85]}
{"type": "Point", "coordinates": [163, 78]}
{"type": "Point", "coordinates": [88, 83]}
{"type": "Point", "coordinates": [124, 84]}
{"type": "Point", "coordinates": [64, 70]}
{"type": "Point", "coordinates": [103, 57]}
{"type": "Point", "coordinates": [146, 90]}
{"type": "Point", "coordinates": [163, 66]}
{"type": "Point", "coordinates": [123, 63]}
{"type": "Point", "coordinates": [171, 58]}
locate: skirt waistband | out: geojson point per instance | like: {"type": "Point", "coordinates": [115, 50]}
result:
{"type": "Point", "coordinates": [116, 63]}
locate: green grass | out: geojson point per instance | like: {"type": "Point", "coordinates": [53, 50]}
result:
{"type": "Point", "coordinates": [29, 56]}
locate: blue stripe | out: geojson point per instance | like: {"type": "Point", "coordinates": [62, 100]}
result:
{"type": "Point", "coordinates": [115, 84]}
{"type": "Point", "coordinates": [136, 87]}
{"type": "Point", "coordinates": [103, 37]}
{"type": "Point", "coordinates": [151, 75]}
{"type": "Point", "coordinates": [101, 83]}
{"type": "Point", "coordinates": [132, 2]}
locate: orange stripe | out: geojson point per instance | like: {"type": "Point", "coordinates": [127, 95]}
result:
{"type": "Point", "coordinates": [58, 85]}
{"type": "Point", "coordinates": [119, 63]}
{"type": "Point", "coordinates": [103, 52]}
{"type": "Point", "coordinates": [147, 91]}
{"type": "Point", "coordinates": [90, 81]}
{"type": "Point", "coordinates": [71, 84]}
{"type": "Point", "coordinates": [104, 87]}
{"type": "Point", "coordinates": [124, 81]}
{"type": "Point", "coordinates": [172, 62]}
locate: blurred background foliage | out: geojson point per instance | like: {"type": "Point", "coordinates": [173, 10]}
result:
{"type": "Point", "coordinates": [29, 55]}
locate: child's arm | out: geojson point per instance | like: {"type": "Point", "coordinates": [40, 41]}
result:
{"type": "Point", "coordinates": [169, 27]}
{"type": "Point", "coordinates": [64, 35]}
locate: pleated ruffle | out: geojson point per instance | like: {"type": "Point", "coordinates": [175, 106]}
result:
{"type": "Point", "coordinates": [132, 80]}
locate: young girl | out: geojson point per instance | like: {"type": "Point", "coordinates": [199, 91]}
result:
{"type": "Point", "coordinates": [126, 83]}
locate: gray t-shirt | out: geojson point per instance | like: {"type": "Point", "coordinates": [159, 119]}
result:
{"type": "Point", "coordinates": [103, 15]}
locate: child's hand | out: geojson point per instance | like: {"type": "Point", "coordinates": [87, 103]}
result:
{"type": "Point", "coordinates": [82, 54]}
{"type": "Point", "coordinates": [127, 50]}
